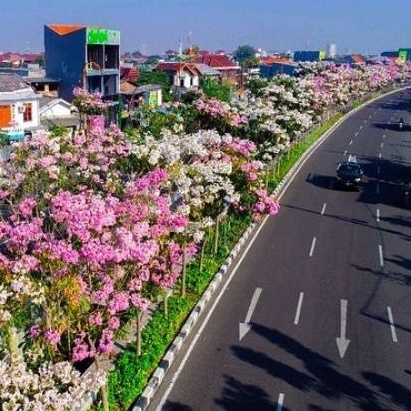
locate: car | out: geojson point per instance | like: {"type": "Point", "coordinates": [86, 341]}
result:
{"type": "Point", "coordinates": [350, 173]}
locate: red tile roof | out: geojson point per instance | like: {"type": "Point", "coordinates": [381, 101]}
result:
{"type": "Point", "coordinates": [274, 59]}
{"type": "Point", "coordinates": [177, 66]}
{"type": "Point", "coordinates": [129, 73]}
{"type": "Point", "coordinates": [63, 29]}
{"type": "Point", "coordinates": [217, 61]}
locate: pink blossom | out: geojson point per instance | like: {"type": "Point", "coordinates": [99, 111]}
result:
{"type": "Point", "coordinates": [95, 319]}
{"type": "Point", "coordinates": [114, 323]}
{"type": "Point", "coordinates": [34, 331]}
{"type": "Point", "coordinates": [118, 302]}
{"type": "Point", "coordinates": [139, 302]}
{"type": "Point", "coordinates": [106, 344]}
{"type": "Point", "coordinates": [81, 350]}
{"type": "Point", "coordinates": [52, 337]}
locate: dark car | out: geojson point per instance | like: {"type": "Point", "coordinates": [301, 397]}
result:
{"type": "Point", "coordinates": [349, 174]}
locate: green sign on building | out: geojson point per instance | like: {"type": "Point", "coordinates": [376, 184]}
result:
{"type": "Point", "coordinates": [102, 36]}
{"type": "Point", "coordinates": [402, 55]}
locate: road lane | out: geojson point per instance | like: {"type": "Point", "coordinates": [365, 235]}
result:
{"type": "Point", "coordinates": [290, 358]}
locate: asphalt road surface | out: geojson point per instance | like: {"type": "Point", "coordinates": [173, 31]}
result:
{"type": "Point", "coordinates": [318, 314]}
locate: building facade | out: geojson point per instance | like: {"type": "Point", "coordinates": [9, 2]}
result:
{"type": "Point", "coordinates": [19, 107]}
{"type": "Point", "coordinates": [87, 57]}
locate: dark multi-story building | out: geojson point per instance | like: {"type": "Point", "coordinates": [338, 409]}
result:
{"type": "Point", "coordinates": [88, 57]}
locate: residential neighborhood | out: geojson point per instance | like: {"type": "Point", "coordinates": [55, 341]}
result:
{"type": "Point", "coordinates": [203, 229]}
{"type": "Point", "coordinates": [36, 90]}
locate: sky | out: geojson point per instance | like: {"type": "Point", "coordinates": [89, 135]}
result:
{"type": "Point", "coordinates": [154, 26]}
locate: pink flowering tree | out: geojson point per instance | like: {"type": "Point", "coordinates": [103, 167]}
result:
{"type": "Point", "coordinates": [82, 245]}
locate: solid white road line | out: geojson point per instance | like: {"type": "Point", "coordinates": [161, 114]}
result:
{"type": "Point", "coordinates": [381, 255]}
{"type": "Point", "coordinates": [392, 325]}
{"type": "Point", "coordinates": [313, 246]}
{"type": "Point", "coordinates": [323, 209]}
{"type": "Point", "coordinates": [378, 215]}
{"type": "Point", "coordinates": [207, 318]}
{"type": "Point", "coordinates": [280, 402]}
{"type": "Point", "coordinates": [298, 312]}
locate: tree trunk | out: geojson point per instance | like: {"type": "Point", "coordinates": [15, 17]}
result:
{"type": "Point", "coordinates": [103, 389]}
{"type": "Point", "coordinates": [183, 285]}
{"type": "Point", "coordinates": [138, 341]}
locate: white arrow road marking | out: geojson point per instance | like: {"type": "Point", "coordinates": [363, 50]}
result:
{"type": "Point", "coordinates": [246, 326]}
{"type": "Point", "coordinates": [381, 255]}
{"type": "Point", "coordinates": [392, 325]}
{"type": "Point", "coordinates": [342, 342]}
{"type": "Point", "coordinates": [313, 246]}
{"type": "Point", "coordinates": [280, 402]}
{"type": "Point", "coordinates": [298, 312]}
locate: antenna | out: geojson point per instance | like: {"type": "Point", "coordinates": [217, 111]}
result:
{"type": "Point", "coordinates": [189, 39]}
{"type": "Point", "coordinates": [180, 47]}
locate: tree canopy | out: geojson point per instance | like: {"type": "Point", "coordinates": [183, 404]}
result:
{"type": "Point", "coordinates": [244, 53]}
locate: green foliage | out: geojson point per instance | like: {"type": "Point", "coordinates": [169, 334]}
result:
{"type": "Point", "coordinates": [155, 77]}
{"type": "Point", "coordinates": [4, 139]}
{"type": "Point", "coordinates": [212, 88]}
{"type": "Point", "coordinates": [256, 85]}
{"type": "Point", "coordinates": [244, 53]}
{"type": "Point", "coordinates": [58, 131]}
{"type": "Point", "coordinates": [131, 373]}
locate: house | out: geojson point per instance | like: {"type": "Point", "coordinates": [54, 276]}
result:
{"type": "Point", "coordinates": [19, 106]}
{"type": "Point", "coordinates": [269, 70]}
{"type": "Point", "coordinates": [135, 97]}
{"type": "Point", "coordinates": [309, 55]}
{"type": "Point", "coordinates": [88, 57]}
{"type": "Point", "coordinates": [128, 73]}
{"type": "Point", "coordinates": [56, 112]}
{"type": "Point", "coordinates": [45, 86]}
{"type": "Point", "coordinates": [207, 71]}
{"type": "Point", "coordinates": [229, 70]}
{"type": "Point", "coordinates": [149, 95]}
{"type": "Point", "coordinates": [351, 59]}
{"type": "Point", "coordinates": [183, 76]}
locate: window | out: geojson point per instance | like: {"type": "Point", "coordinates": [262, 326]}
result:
{"type": "Point", "coordinates": [27, 114]}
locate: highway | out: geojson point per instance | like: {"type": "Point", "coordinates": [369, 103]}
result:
{"type": "Point", "coordinates": [317, 315]}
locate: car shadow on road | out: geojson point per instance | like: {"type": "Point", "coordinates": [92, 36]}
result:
{"type": "Point", "coordinates": [393, 126]}
{"type": "Point", "coordinates": [322, 376]}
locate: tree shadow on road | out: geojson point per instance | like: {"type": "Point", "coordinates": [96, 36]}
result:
{"type": "Point", "coordinates": [238, 396]}
{"type": "Point", "coordinates": [175, 406]}
{"type": "Point", "coordinates": [322, 376]}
